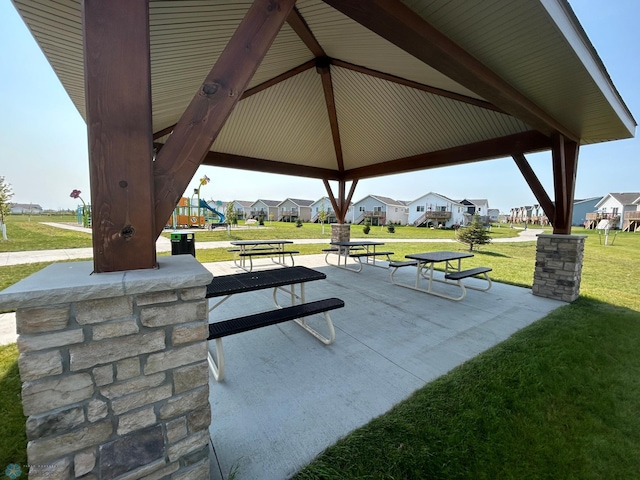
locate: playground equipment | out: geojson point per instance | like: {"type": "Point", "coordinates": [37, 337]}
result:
{"type": "Point", "coordinates": [195, 212]}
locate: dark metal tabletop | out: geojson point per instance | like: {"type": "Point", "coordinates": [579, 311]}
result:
{"type": "Point", "coordinates": [356, 243]}
{"type": "Point", "coordinates": [248, 282]}
{"type": "Point", "coordinates": [260, 242]}
{"type": "Point", "coordinates": [438, 256]}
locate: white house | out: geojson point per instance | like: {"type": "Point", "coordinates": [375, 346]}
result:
{"type": "Point", "coordinates": [267, 209]}
{"type": "Point", "coordinates": [434, 209]}
{"type": "Point", "coordinates": [291, 209]}
{"type": "Point", "coordinates": [242, 208]}
{"type": "Point", "coordinates": [379, 211]}
{"type": "Point", "coordinates": [617, 207]}
{"type": "Point", "coordinates": [325, 204]}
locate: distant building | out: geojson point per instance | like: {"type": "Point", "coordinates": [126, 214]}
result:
{"type": "Point", "coordinates": [33, 208]}
{"type": "Point", "coordinates": [265, 209]}
{"type": "Point", "coordinates": [293, 209]}
{"type": "Point", "coordinates": [433, 209]}
{"type": "Point", "coordinates": [581, 208]}
{"type": "Point", "coordinates": [621, 209]}
{"type": "Point", "coordinates": [379, 211]}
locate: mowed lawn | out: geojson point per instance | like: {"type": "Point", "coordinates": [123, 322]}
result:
{"type": "Point", "coordinates": [560, 399]}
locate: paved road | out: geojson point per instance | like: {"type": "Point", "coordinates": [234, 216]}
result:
{"type": "Point", "coordinates": [164, 245]}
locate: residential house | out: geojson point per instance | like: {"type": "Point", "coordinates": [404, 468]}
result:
{"type": "Point", "coordinates": [632, 218]}
{"type": "Point", "coordinates": [619, 208]}
{"type": "Point", "coordinates": [433, 209]}
{"type": "Point", "coordinates": [476, 207]}
{"type": "Point", "coordinates": [581, 207]}
{"type": "Point", "coordinates": [494, 215]}
{"type": "Point", "coordinates": [293, 209]}
{"type": "Point", "coordinates": [325, 204]}
{"type": "Point", "coordinates": [242, 209]}
{"type": "Point", "coordinates": [379, 211]}
{"type": "Point", "coordinates": [538, 216]}
{"type": "Point", "coordinates": [265, 209]}
{"type": "Point", "coordinates": [31, 208]}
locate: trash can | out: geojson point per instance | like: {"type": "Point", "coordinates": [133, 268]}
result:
{"type": "Point", "coordinates": [183, 244]}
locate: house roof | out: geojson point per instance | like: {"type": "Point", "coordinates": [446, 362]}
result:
{"type": "Point", "coordinates": [438, 82]}
{"type": "Point", "coordinates": [299, 202]}
{"type": "Point", "coordinates": [387, 200]}
{"type": "Point", "coordinates": [268, 203]}
{"type": "Point", "coordinates": [445, 198]}
{"type": "Point", "coordinates": [243, 203]}
{"type": "Point", "coordinates": [623, 198]}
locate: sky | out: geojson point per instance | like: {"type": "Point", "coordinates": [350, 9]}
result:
{"type": "Point", "coordinates": [43, 138]}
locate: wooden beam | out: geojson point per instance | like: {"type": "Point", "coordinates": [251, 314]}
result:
{"type": "Point", "coordinates": [229, 160]}
{"type": "Point", "coordinates": [252, 91]}
{"type": "Point", "coordinates": [205, 116]}
{"type": "Point", "coordinates": [565, 164]}
{"type": "Point", "coordinates": [526, 142]}
{"type": "Point", "coordinates": [336, 207]}
{"type": "Point", "coordinates": [347, 202]}
{"type": "Point", "coordinates": [297, 23]}
{"type": "Point", "coordinates": [535, 185]}
{"type": "Point", "coordinates": [323, 68]}
{"type": "Point", "coordinates": [341, 196]}
{"type": "Point", "coordinates": [118, 106]}
{"type": "Point", "coordinates": [397, 23]}
{"type": "Point", "coordinates": [418, 86]}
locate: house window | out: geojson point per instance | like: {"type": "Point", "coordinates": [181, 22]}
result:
{"type": "Point", "coordinates": [615, 210]}
{"type": "Point", "coordinates": [442, 209]}
{"type": "Point", "coordinates": [361, 209]}
{"type": "Point", "coordinates": [420, 208]}
{"type": "Point", "coordinates": [377, 209]}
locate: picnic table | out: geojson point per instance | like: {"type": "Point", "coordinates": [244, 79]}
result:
{"type": "Point", "coordinates": [247, 249]}
{"type": "Point", "coordinates": [281, 280]}
{"type": "Point", "coordinates": [453, 274]}
{"type": "Point", "coordinates": [363, 252]}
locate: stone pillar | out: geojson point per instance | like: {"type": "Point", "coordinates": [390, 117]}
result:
{"type": "Point", "coordinates": [558, 266]}
{"type": "Point", "coordinates": [340, 232]}
{"type": "Point", "coordinates": [114, 370]}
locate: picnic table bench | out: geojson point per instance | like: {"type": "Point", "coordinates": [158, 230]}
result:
{"type": "Point", "coordinates": [247, 249]}
{"type": "Point", "coordinates": [357, 250]}
{"type": "Point", "coordinates": [280, 279]}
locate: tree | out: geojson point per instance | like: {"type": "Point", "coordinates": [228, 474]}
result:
{"type": "Point", "coordinates": [5, 196]}
{"type": "Point", "coordinates": [474, 233]}
{"type": "Point", "coordinates": [322, 215]}
{"type": "Point", "coordinates": [231, 214]}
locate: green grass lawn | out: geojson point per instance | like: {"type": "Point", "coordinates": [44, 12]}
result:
{"type": "Point", "coordinates": [559, 399]}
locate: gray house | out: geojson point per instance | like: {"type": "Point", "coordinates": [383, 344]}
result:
{"type": "Point", "coordinates": [581, 208]}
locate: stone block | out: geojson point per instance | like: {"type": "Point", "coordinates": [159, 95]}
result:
{"type": "Point", "coordinates": [103, 375]}
{"type": "Point", "coordinates": [84, 462]}
{"type": "Point", "coordinates": [131, 452]}
{"type": "Point", "coordinates": [31, 343]}
{"type": "Point", "coordinates": [189, 333]}
{"type": "Point", "coordinates": [163, 473]}
{"type": "Point", "coordinates": [195, 293]}
{"type": "Point", "coordinates": [176, 429]}
{"type": "Point", "coordinates": [173, 314]}
{"type": "Point", "coordinates": [127, 368]}
{"type": "Point", "coordinates": [177, 357]}
{"type": "Point", "coordinates": [52, 423]}
{"type": "Point", "coordinates": [191, 377]}
{"type": "Point", "coordinates": [182, 404]}
{"type": "Point", "coordinates": [133, 385]}
{"type": "Point", "coordinates": [140, 399]}
{"type": "Point", "coordinates": [118, 328]}
{"type": "Point", "coordinates": [57, 470]}
{"type": "Point", "coordinates": [136, 420]}
{"type": "Point", "coordinates": [188, 445]}
{"type": "Point", "coordinates": [45, 395]}
{"type": "Point", "coordinates": [39, 365]}
{"type": "Point", "coordinates": [107, 351]}
{"type": "Point", "coordinates": [167, 296]}
{"type": "Point", "coordinates": [148, 471]}
{"type": "Point", "coordinates": [97, 410]}
{"type": "Point", "coordinates": [199, 419]}
{"type": "Point", "coordinates": [45, 449]}
{"type": "Point", "coordinates": [40, 320]}
{"type": "Point", "coordinates": [103, 310]}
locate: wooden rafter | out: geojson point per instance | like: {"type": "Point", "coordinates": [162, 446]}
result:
{"type": "Point", "coordinates": [418, 86]}
{"type": "Point", "coordinates": [200, 124]}
{"type": "Point", "coordinates": [534, 184]}
{"type": "Point", "coordinates": [341, 204]}
{"type": "Point", "coordinates": [297, 23]}
{"type": "Point", "coordinates": [323, 68]}
{"type": "Point", "coordinates": [228, 160]}
{"type": "Point", "coordinates": [526, 142]}
{"type": "Point", "coordinates": [336, 205]}
{"type": "Point", "coordinates": [118, 106]}
{"type": "Point", "coordinates": [397, 23]}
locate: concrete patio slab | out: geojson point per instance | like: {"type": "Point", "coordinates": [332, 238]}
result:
{"type": "Point", "coordinates": [286, 397]}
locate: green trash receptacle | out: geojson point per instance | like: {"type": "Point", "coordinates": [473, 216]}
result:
{"type": "Point", "coordinates": [183, 244]}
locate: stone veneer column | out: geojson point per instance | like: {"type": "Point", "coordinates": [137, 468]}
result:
{"type": "Point", "coordinates": [558, 266]}
{"type": "Point", "coordinates": [340, 232]}
{"type": "Point", "coordinates": [114, 370]}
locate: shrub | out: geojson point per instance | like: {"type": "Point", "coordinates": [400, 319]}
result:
{"type": "Point", "coordinates": [367, 228]}
{"type": "Point", "coordinates": [298, 223]}
{"type": "Point", "coordinates": [391, 228]}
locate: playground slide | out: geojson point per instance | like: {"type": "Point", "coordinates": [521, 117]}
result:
{"type": "Point", "coordinates": [204, 204]}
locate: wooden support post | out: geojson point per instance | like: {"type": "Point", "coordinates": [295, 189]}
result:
{"type": "Point", "coordinates": [118, 101]}
{"type": "Point", "coordinates": [535, 185]}
{"type": "Point", "coordinates": [565, 165]}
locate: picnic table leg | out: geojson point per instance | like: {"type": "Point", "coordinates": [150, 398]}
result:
{"type": "Point", "coordinates": [217, 366]}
